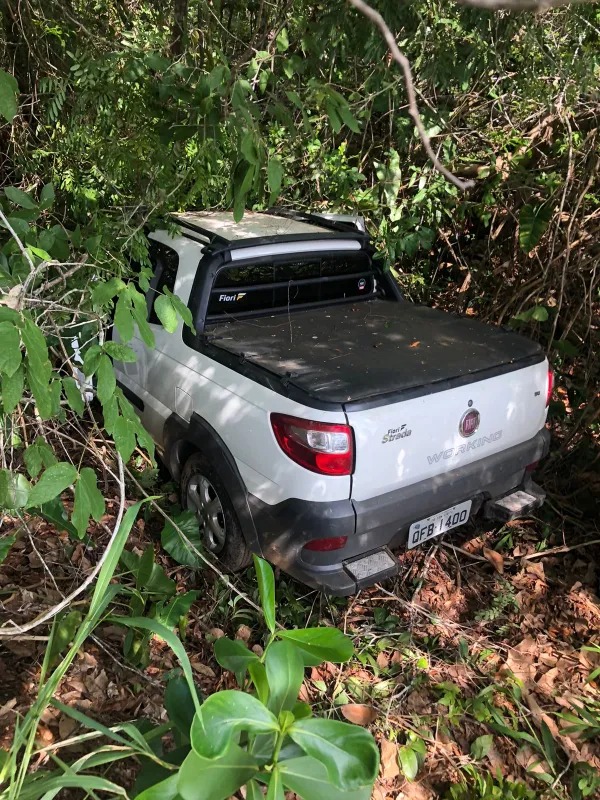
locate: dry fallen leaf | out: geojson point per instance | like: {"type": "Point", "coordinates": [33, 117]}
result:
{"type": "Point", "coordinates": [359, 713]}
{"type": "Point", "coordinates": [415, 344]}
{"type": "Point", "coordinates": [389, 760]}
{"type": "Point", "coordinates": [495, 559]}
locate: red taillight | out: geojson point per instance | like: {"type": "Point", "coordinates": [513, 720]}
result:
{"type": "Point", "coordinates": [317, 446]}
{"type": "Point", "coordinates": [549, 387]}
{"type": "Point", "coordinates": [326, 545]}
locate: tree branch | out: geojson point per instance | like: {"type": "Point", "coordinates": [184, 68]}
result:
{"type": "Point", "coordinates": [413, 109]}
{"type": "Point", "coordinates": [523, 5]}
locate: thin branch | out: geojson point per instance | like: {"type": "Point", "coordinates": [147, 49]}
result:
{"type": "Point", "coordinates": [523, 5]}
{"type": "Point", "coordinates": [413, 109]}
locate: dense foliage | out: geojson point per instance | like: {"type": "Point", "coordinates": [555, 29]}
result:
{"type": "Point", "coordinates": [115, 112]}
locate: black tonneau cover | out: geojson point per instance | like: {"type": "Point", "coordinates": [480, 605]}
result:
{"type": "Point", "coordinates": [357, 352]}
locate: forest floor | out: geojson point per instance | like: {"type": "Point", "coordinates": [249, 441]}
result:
{"type": "Point", "coordinates": [470, 663]}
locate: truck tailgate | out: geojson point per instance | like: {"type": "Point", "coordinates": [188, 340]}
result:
{"type": "Point", "coordinates": [418, 438]}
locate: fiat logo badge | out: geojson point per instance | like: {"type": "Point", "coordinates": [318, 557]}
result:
{"type": "Point", "coordinates": [469, 422]}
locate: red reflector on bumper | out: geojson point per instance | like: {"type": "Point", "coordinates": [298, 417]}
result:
{"type": "Point", "coordinates": [324, 545]}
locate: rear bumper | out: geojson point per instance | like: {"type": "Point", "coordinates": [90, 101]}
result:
{"type": "Point", "coordinates": [382, 521]}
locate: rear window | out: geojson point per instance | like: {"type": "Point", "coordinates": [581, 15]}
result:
{"type": "Point", "coordinates": [265, 287]}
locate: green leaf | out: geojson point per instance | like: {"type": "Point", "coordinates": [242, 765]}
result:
{"type": "Point", "coordinates": [409, 762]}
{"type": "Point", "coordinates": [215, 779]}
{"type": "Point", "coordinates": [53, 482]}
{"type": "Point", "coordinates": [10, 348]}
{"type": "Point", "coordinates": [42, 391]}
{"type": "Point", "coordinates": [47, 196]}
{"type": "Point", "coordinates": [533, 314]}
{"type": "Point", "coordinates": [12, 390]}
{"type": "Point", "coordinates": [249, 149]}
{"type": "Point", "coordinates": [347, 118]}
{"type": "Point", "coordinates": [274, 178]}
{"type": "Point", "coordinates": [222, 715]}
{"type": "Point", "coordinates": [179, 705]}
{"type": "Point", "coordinates": [38, 455]}
{"type": "Point", "coordinates": [533, 222]}
{"type": "Point", "coordinates": [349, 753]}
{"type": "Point", "coordinates": [103, 292]}
{"type": "Point", "coordinates": [91, 359]}
{"type": "Point", "coordinates": [14, 489]}
{"type": "Point", "coordinates": [63, 631]}
{"type": "Point", "coordinates": [282, 42]}
{"type": "Point", "coordinates": [175, 546]}
{"type": "Point", "coordinates": [253, 791]}
{"type": "Point", "coordinates": [275, 786]}
{"type": "Point", "coordinates": [37, 251]}
{"type": "Point", "coordinates": [258, 675]}
{"type": "Point", "coordinates": [120, 352]}
{"type": "Point", "coordinates": [123, 434]}
{"type": "Point", "coordinates": [170, 614]}
{"type": "Point", "coordinates": [183, 311]}
{"type": "Point", "coordinates": [234, 655]}
{"type": "Point", "coordinates": [8, 96]}
{"type": "Point", "coordinates": [6, 542]}
{"type": "Point", "coordinates": [124, 318]}
{"type": "Point", "coordinates": [285, 673]}
{"type": "Point", "coordinates": [165, 790]}
{"type": "Point", "coordinates": [19, 197]}
{"type": "Point", "coordinates": [73, 395]}
{"type": "Point", "coordinates": [89, 501]}
{"type": "Point", "coordinates": [481, 747]}
{"type": "Point", "coordinates": [54, 512]}
{"type": "Point", "coordinates": [166, 313]}
{"type": "Point", "coordinates": [320, 644]}
{"type": "Point", "coordinates": [107, 382]}
{"type": "Point", "coordinates": [266, 588]}
{"type": "Point", "coordinates": [308, 778]}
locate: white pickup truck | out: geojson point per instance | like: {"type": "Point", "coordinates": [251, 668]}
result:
{"type": "Point", "coordinates": [317, 418]}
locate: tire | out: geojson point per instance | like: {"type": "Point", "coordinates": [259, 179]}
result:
{"type": "Point", "coordinates": [203, 491]}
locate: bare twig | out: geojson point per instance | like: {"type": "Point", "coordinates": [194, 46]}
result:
{"type": "Point", "coordinates": [413, 109]}
{"type": "Point", "coordinates": [522, 5]}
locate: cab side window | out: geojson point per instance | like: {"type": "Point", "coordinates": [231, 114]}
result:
{"type": "Point", "coordinates": [165, 262]}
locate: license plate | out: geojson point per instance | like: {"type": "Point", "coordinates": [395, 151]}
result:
{"type": "Point", "coordinates": [426, 529]}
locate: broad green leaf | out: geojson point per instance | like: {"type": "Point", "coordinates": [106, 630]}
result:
{"type": "Point", "coordinates": [54, 512]}
{"type": "Point", "coordinates": [253, 791]}
{"type": "Point", "coordinates": [533, 314]}
{"type": "Point", "coordinates": [275, 786]}
{"type": "Point", "coordinates": [89, 501]}
{"type": "Point", "coordinates": [166, 313]}
{"type": "Point", "coordinates": [218, 778]}
{"type": "Point", "coordinates": [12, 390]}
{"type": "Point", "coordinates": [258, 675]}
{"type": "Point", "coordinates": [145, 331]}
{"type": "Point", "coordinates": [91, 359]}
{"type": "Point", "coordinates": [307, 777]}
{"type": "Point", "coordinates": [10, 348]}
{"type": "Point", "coordinates": [107, 382]}
{"type": "Point", "coordinates": [14, 489]}
{"type": "Point", "coordinates": [266, 588]}
{"type": "Point", "coordinates": [19, 197]}
{"type": "Point", "coordinates": [37, 349]}
{"type": "Point", "coordinates": [149, 576]}
{"type": "Point", "coordinates": [348, 753]}
{"type": "Point", "coordinates": [175, 546]}
{"type": "Point", "coordinates": [73, 395]}
{"type": "Point", "coordinates": [63, 631]}
{"type": "Point", "coordinates": [320, 644]}
{"type": "Point", "coordinates": [481, 746]}
{"type": "Point", "coordinates": [42, 392]}
{"type": "Point", "coordinates": [165, 790]}
{"type": "Point", "coordinates": [103, 292]}
{"type": "Point", "coordinates": [285, 673]}
{"type": "Point", "coordinates": [38, 455]}
{"type": "Point", "coordinates": [37, 251]}
{"type": "Point", "coordinates": [348, 118]}
{"type": "Point", "coordinates": [234, 655]}
{"type": "Point", "coordinates": [222, 715]}
{"type": "Point", "coordinates": [6, 542]}
{"type": "Point", "coordinates": [53, 482]}
{"type": "Point", "coordinates": [123, 434]}
{"type": "Point", "coordinates": [533, 222]}
{"type": "Point", "coordinates": [47, 196]}
{"type": "Point", "coordinates": [409, 762]}
{"type": "Point", "coordinates": [249, 149]}
{"type": "Point", "coordinates": [282, 42]}
{"type": "Point", "coordinates": [120, 352]}
{"type": "Point", "coordinates": [8, 96]}
{"type": "Point", "coordinates": [274, 177]}
{"type": "Point", "coordinates": [171, 613]}
{"type": "Point", "coordinates": [179, 705]}
{"type": "Point", "coordinates": [124, 317]}
{"type": "Point", "coordinates": [183, 311]}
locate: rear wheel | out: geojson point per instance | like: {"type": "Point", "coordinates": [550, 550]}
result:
{"type": "Point", "coordinates": [203, 492]}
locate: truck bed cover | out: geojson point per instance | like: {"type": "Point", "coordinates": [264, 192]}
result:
{"type": "Point", "coordinates": [356, 352]}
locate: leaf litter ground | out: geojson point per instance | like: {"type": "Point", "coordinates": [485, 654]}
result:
{"type": "Point", "coordinates": [466, 636]}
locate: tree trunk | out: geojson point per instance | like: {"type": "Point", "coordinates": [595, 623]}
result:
{"type": "Point", "coordinates": [179, 28]}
